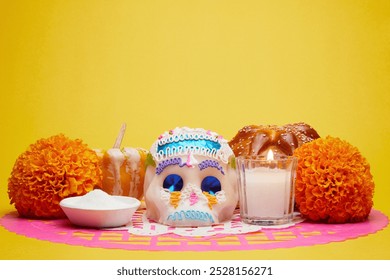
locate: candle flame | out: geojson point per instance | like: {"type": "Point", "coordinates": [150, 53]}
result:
{"type": "Point", "coordinates": [270, 155]}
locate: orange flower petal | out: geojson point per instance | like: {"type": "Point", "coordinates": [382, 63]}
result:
{"type": "Point", "coordinates": [50, 170]}
{"type": "Point", "coordinates": [333, 183]}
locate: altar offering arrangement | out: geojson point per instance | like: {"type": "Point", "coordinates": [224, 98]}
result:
{"type": "Point", "coordinates": [52, 169]}
{"type": "Point", "coordinates": [190, 178]}
{"type": "Point", "coordinates": [268, 187]}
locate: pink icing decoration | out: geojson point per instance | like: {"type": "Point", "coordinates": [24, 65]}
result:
{"type": "Point", "coordinates": [302, 234]}
{"type": "Point", "coordinates": [193, 198]}
{"type": "Point", "coordinates": [189, 160]}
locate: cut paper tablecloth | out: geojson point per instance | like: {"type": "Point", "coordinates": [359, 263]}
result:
{"type": "Point", "coordinates": [301, 234]}
{"type": "Point", "coordinates": [141, 225]}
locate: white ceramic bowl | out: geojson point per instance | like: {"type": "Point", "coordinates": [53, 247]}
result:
{"type": "Point", "coordinates": [100, 218]}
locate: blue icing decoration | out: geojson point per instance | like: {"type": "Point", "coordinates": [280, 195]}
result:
{"type": "Point", "coordinates": [189, 144]}
{"type": "Point", "coordinates": [190, 215]}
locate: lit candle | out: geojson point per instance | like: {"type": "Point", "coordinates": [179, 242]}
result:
{"type": "Point", "coordinates": [266, 191]}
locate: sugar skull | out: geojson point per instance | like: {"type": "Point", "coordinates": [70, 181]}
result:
{"type": "Point", "coordinates": [190, 178]}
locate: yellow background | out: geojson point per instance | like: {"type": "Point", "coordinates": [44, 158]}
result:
{"type": "Point", "coordinates": [84, 67]}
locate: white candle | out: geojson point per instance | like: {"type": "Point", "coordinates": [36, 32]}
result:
{"type": "Point", "coordinates": [267, 192]}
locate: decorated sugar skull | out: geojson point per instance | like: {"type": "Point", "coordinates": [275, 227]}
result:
{"type": "Point", "coordinates": [190, 179]}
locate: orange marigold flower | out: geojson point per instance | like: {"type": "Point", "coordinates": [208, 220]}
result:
{"type": "Point", "coordinates": [333, 183]}
{"type": "Point", "coordinates": [50, 170]}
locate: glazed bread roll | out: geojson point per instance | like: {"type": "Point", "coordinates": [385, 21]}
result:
{"type": "Point", "coordinates": [283, 140]}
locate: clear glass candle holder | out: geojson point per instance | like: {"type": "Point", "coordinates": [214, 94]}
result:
{"type": "Point", "coordinates": [266, 188]}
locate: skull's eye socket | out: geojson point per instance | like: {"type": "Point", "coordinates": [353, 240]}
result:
{"type": "Point", "coordinates": [173, 182]}
{"type": "Point", "coordinates": [211, 185]}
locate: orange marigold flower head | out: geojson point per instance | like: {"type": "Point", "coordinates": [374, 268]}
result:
{"type": "Point", "coordinates": [52, 169]}
{"type": "Point", "coordinates": [333, 182]}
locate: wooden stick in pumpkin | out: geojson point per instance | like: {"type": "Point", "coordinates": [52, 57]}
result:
{"type": "Point", "coordinates": [120, 136]}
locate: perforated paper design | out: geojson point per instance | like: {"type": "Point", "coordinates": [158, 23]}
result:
{"type": "Point", "coordinates": [142, 226]}
{"type": "Point", "coordinates": [302, 234]}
